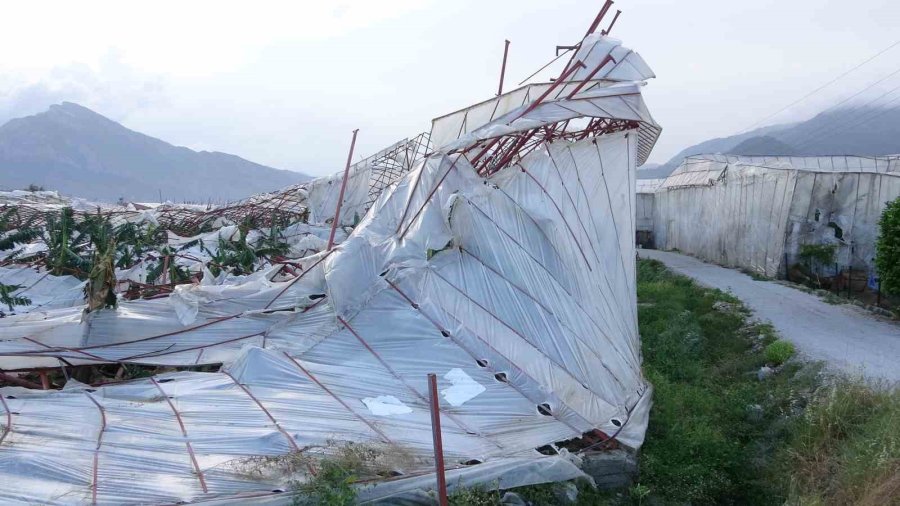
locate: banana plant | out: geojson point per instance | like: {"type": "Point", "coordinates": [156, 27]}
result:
{"type": "Point", "coordinates": [100, 288]}
{"type": "Point", "coordinates": [12, 235]}
{"type": "Point", "coordinates": [66, 244]}
{"type": "Point", "coordinates": [7, 297]}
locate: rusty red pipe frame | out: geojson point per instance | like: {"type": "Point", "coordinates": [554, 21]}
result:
{"type": "Point", "coordinates": [591, 75]}
{"type": "Point", "coordinates": [592, 28]}
{"type": "Point", "coordinates": [503, 68]}
{"type": "Point", "coordinates": [337, 210]}
{"type": "Point", "coordinates": [438, 442]}
{"type": "Point", "coordinates": [599, 18]}
{"type": "Point", "coordinates": [561, 80]}
{"type": "Point", "coordinates": [510, 152]}
{"type": "Point", "coordinates": [611, 25]}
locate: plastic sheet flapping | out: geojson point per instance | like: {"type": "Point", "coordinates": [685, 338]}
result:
{"type": "Point", "coordinates": [613, 92]}
{"type": "Point", "coordinates": [518, 291]}
{"type": "Point", "coordinates": [756, 212]}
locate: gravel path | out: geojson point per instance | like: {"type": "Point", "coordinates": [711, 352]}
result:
{"type": "Point", "coordinates": [845, 336]}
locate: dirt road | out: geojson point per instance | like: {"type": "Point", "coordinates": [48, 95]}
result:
{"type": "Point", "coordinates": [844, 336]}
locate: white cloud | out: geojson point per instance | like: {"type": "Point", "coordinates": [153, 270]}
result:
{"type": "Point", "coordinates": [184, 38]}
{"type": "Point", "coordinates": [112, 88]}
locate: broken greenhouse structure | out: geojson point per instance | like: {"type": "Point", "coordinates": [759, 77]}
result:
{"type": "Point", "coordinates": [497, 252]}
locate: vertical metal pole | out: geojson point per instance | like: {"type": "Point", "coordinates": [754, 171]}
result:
{"type": "Point", "coordinates": [45, 379]}
{"type": "Point", "coordinates": [337, 211]}
{"type": "Point", "coordinates": [849, 279]}
{"type": "Point", "coordinates": [438, 444]}
{"type": "Point", "coordinates": [599, 17]}
{"type": "Point", "coordinates": [503, 68]}
{"type": "Point", "coordinates": [611, 25]}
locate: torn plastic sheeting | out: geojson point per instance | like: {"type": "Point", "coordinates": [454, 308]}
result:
{"type": "Point", "coordinates": [517, 290]}
{"type": "Point", "coordinates": [464, 387]}
{"type": "Point", "coordinates": [43, 290]}
{"type": "Point", "coordinates": [386, 405]}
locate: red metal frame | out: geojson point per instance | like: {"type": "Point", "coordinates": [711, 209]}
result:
{"type": "Point", "coordinates": [507, 150]}
{"type": "Point", "coordinates": [96, 464]}
{"type": "Point", "coordinates": [438, 442]}
{"type": "Point", "coordinates": [340, 202]}
{"type": "Point", "coordinates": [590, 76]}
{"type": "Point", "coordinates": [503, 68]}
{"type": "Point", "coordinates": [599, 18]}
{"type": "Point", "coordinates": [612, 24]}
{"type": "Point", "coordinates": [184, 433]}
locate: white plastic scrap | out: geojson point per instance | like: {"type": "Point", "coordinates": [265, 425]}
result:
{"type": "Point", "coordinates": [464, 387]}
{"type": "Point", "coordinates": [386, 405]}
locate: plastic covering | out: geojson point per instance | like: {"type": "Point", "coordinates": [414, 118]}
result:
{"type": "Point", "coordinates": [756, 212]}
{"type": "Point", "coordinates": [517, 290]}
{"type": "Point", "coordinates": [606, 96]}
{"type": "Point", "coordinates": [646, 188]}
{"type": "Point", "coordinates": [41, 289]}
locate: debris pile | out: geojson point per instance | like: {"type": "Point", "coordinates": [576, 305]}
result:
{"type": "Point", "coordinates": [498, 252]}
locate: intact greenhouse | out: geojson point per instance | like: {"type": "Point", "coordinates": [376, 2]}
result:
{"type": "Point", "coordinates": [758, 212]}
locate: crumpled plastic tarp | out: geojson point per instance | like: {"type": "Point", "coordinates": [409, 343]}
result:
{"type": "Point", "coordinates": [517, 291]}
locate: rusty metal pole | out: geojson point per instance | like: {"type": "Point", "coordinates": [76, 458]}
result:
{"type": "Point", "coordinates": [599, 17]}
{"type": "Point", "coordinates": [611, 25]}
{"type": "Point", "coordinates": [45, 379]}
{"type": "Point", "coordinates": [503, 68]}
{"type": "Point", "coordinates": [337, 210]}
{"type": "Point", "coordinates": [438, 444]}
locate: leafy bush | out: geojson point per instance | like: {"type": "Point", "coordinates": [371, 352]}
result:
{"type": "Point", "coordinates": [332, 486]}
{"type": "Point", "coordinates": [817, 254]}
{"type": "Point", "coordinates": [887, 247]}
{"type": "Point", "coordinates": [779, 352]}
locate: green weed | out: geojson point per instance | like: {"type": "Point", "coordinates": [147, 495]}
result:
{"type": "Point", "coordinates": [779, 352]}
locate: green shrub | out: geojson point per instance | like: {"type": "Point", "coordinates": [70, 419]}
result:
{"type": "Point", "coordinates": [331, 486]}
{"type": "Point", "coordinates": [779, 352]}
{"type": "Point", "coordinates": [887, 248]}
{"type": "Point", "coordinates": [821, 253]}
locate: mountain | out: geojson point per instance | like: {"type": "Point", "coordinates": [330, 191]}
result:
{"type": "Point", "coordinates": [652, 171]}
{"type": "Point", "coordinates": [848, 131]}
{"type": "Point", "coordinates": [762, 146]}
{"type": "Point", "coordinates": [78, 152]}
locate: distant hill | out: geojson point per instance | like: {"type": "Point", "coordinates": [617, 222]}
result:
{"type": "Point", "coordinates": [652, 171]}
{"type": "Point", "coordinates": [762, 145]}
{"type": "Point", "coordinates": [78, 152]}
{"type": "Point", "coordinates": [851, 131]}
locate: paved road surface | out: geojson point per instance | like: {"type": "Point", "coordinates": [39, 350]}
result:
{"type": "Point", "coordinates": [845, 336]}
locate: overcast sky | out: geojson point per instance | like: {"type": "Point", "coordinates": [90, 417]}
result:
{"type": "Point", "coordinates": [284, 83]}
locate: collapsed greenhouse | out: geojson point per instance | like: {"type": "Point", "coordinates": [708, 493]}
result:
{"type": "Point", "coordinates": [497, 251]}
{"type": "Point", "coordinates": [757, 212]}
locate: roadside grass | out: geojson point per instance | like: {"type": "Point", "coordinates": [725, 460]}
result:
{"type": "Point", "coordinates": [779, 352]}
{"type": "Point", "coordinates": [845, 448]}
{"type": "Point", "coordinates": [719, 435]}
{"type": "Point", "coordinates": [714, 428]}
